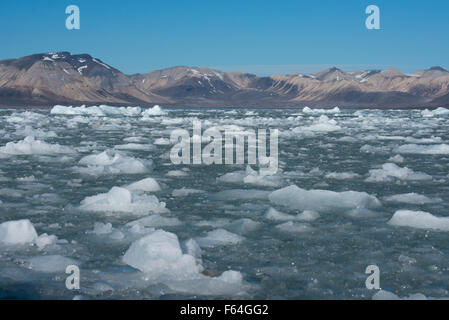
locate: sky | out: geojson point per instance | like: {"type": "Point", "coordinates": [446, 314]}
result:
{"type": "Point", "coordinates": [261, 37]}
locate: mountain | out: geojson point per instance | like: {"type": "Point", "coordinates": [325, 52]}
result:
{"type": "Point", "coordinates": [51, 78]}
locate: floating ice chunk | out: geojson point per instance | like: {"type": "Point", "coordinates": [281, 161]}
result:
{"type": "Point", "coordinates": [162, 142]}
{"type": "Point", "coordinates": [314, 111]}
{"type": "Point", "coordinates": [342, 175]}
{"type": "Point", "coordinates": [122, 200]}
{"type": "Point", "coordinates": [32, 118]}
{"type": "Point", "coordinates": [253, 177]}
{"type": "Point", "coordinates": [100, 111]}
{"type": "Point", "coordinates": [30, 146]}
{"type": "Point", "coordinates": [163, 260]}
{"type": "Point", "coordinates": [159, 255]}
{"type": "Point", "coordinates": [192, 248]}
{"type": "Point", "coordinates": [294, 227]}
{"type": "Point", "coordinates": [229, 283]}
{"type": "Point", "coordinates": [102, 228]}
{"type": "Point", "coordinates": [432, 139]}
{"type": "Point", "coordinates": [250, 176]}
{"type": "Point", "coordinates": [323, 125]}
{"type": "Point", "coordinates": [244, 226]}
{"type": "Point", "coordinates": [110, 162]}
{"type": "Point", "coordinates": [372, 149]}
{"type": "Point", "coordinates": [135, 139]}
{"type": "Point", "coordinates": [17, 232]}
{"type": "Point", "coordinates": [322, 200]}
{"type": "Point", "coordinates": [420, 220]}
{"type": "Point", "coordinates": [307, 215]}
{"type": "Point", "coordinates": [232, 177]}
{"type": "Point", "coordinates": [347, 139]}
{"type": "Point", "coordinates": [147, 185]}
{"type": "Point", "coordinates": [412, 198]}
{"type": "Point", "coordinates": [423, 149]}
{"type": "Point", "coordinates": [45, 240]}
{"type": "Point", "coordinates": [50, 263]}
{"type": "Point", "coordinates": [437, 112]}
{"type": "Point", "coordinates": [397, 159]}
{"type": "Point", "coordinates": [37, 133]}
{"type": "Point", "coordinates": [155, 111]}
{"type": "Point", "coordinates": [27, 179]}
{"type": "Point", "coordinates": [184, 192]}
{"type": "Point", "coordinates": [155, 220]}
{"type": "Point", "coordinates": [219, 237]}
{"type": "Point", "coordinates": [386, 295]}
{"type": "Point", "coordinates": [176, 173]}
{"type": "Point", "coordinates": [391, 170]}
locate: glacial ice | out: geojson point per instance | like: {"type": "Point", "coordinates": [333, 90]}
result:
{"type": "Point", "coordinates": [342, 175]}
{"type": "Point", "coordinates": [20, 232]}
{"type": "Point", "coordinates": [390, 171]}
{"type": "Point", "coordinates": [147, 185]}
{"type": "Point", "coordinates": [315, 111]}
{"type": "Point", "coordinates": [324, 124]}
{"type": "Point", "coordinates": [155, 111]}
{"type": "Point", "coordinates": [99, 111]}
{"type": "Point", "coordinates": [31, 146]}
{"type": "Point", "coordinates": [111, 162]}
{"type": "Point", "coordinates": [437, 112]}
{"type": "Point", "coordinates": [322, 200]}
{"type": "Point", "coordinates": [411, 198]}
{"type": "Point", "coordinates": [184, 192]}
{"type": "Point", "coordinates": [50, 263]}
{"type": "Point", "coordinates": [161, 258]}
{"type": "Point", "coordinates": [17, 232]}
{"type": "Point", "coordinates": [294, 227]}
{"type": "Point", "coordinates": [219, 237]}
{"type": "Point", "coordinates": [250, 176]}
{"type": "Point", "coordinates": [419, 220]}
{"type": "Point", "coordinates": [307, 215]}
{"type": "Point", "coordinates": [122, 200]}
{"type": "Point", "coordinates": [423, 149]}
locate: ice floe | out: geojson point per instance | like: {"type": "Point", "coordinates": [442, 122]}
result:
{"type": "Point", "coordinates": [322, 200]}
{"type": "Point", "coordinates": [161, 258]}
{"type": "Point", "coordinates": [411, 198]}
{"type": "Point", "coordinates": [147, 185]}
{"type": "Point", "coordinates": [423, 149]}
{"type": "Point", "coordinates": [112, 162]}
{"type": "Point", "coordinates": [184, 192]}
{"type": "Point", "coordinates": [31, 146]}
{"type": "Point", "coordinates": [294, 227]}
{"type": "Point", "coordinates": [50, 263]}
{"type": "Point", "coordinates": [155, 111]}
{"type": "Point", "coordinates": [17, 232]}
{"type": "Point", "coordinates": [121, 200]}
{"type": "Point", "coordinates": [251, 176]}
{"type": "Point", "coordinates": [99, 111]}
{"type": "Point", "coordinates": [419, 220]}
{"type": "Point", "coordinates": [307, 215]}
{"type": "Point", "coordinates": [20, 232]}
{"type": "Point", "coordinates": [219, 237]}
{"type": "Point", "coordinates": [391, 171]}
{"type": "Point", "coordinates": [437, 112]}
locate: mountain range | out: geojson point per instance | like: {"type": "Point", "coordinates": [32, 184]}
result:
{"type": "Point", "coordinates": [62, 78]}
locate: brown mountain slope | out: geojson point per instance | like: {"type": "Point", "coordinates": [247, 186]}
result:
{"type": "Point", "coordinates": [47, 79]}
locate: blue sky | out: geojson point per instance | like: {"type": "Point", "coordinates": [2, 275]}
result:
{"type": "Point", "coordinates": [261, 37]}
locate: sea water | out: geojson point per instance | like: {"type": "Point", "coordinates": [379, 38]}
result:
{"type": "Point", "coordinates": [95, 187]}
